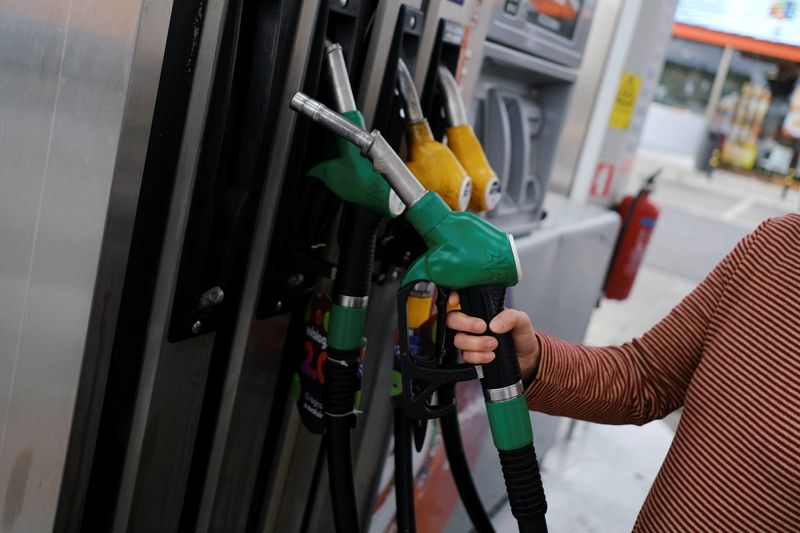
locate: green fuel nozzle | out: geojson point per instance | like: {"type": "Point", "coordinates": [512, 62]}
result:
{"type": "Point", "coordinates": [349, 176]}
{"type": "Point", "coordinates": [367, 198]}
{"type": "Point", "coordinates": [467, 254]}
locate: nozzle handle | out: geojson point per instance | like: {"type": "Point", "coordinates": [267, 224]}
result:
{"type": "Point", "coordinates": [503, 372]}
{"type": "Point", "coordinates": [372, 145]}
{"type": "Point", "coordinates": [507, 409]}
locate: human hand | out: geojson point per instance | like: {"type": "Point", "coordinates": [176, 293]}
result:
{"type": "Point", "coordinates": [477, 348]}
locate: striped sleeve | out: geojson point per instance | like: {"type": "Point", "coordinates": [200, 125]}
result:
{"type": "Point", "coordinates": [639, 381]}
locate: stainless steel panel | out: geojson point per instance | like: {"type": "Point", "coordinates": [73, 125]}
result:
{"type": "Point", "coordinates": [248, 345]}
{"type": "Point", "coordinates": [515, 30]}
{"type": "Point", "coordinates": [475, 16]}
{"type": "Point", "coordinates": [590, 74]}
{"type": "Point", "coordinates": [564, 265]}
{"type": "Point", "coordinates": [375, 62]}
{"type": "Point", "coordinates": [157, 350]}
{"type": "Point", "coordinates": [73, 95]}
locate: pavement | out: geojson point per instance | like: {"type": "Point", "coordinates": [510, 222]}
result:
{"type": "Point", "coordinates": [597, 476]}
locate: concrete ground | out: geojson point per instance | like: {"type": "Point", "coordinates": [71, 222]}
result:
{"type": "Point", "coordinates": [597, 479]}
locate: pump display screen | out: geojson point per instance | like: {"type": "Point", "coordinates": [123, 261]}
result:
{"type": "Point", "coordinates": [557, 16]}
{"type": "Point", "coordinates": [767, 20]}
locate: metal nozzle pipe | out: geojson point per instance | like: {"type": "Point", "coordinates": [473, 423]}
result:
{"type": "Point", "coordinates": [453, 101]}
{"type": "Point", "coordinates": [340, 80]}
{"type": "Point", "coordinates": [408, 94]}
{"type": "Point", "coordinates": [330, 119]}
{"type": "Point", "coordinates": [372, 145]}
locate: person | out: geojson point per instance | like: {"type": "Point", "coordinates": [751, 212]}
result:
{"type": "Point", "coordinates": [729, 354]}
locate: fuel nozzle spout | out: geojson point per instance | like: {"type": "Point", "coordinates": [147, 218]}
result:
{"type": "Point", "coordinates": [372, 145]}
{"type": "Point", "coordinates": [436, 167]}
{"type": "Point", "coordinates": [332, 120]}
{"type": "Point", "coordinates": [408, 94]}
{"type": "Point", "coordinates": [461, 139]}
{"type": "Point", "coordinates": [453, 102]}
{"type": "Point", "coordinates": [340, 80]}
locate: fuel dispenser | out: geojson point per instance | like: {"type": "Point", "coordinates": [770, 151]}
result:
{"type": "Point", "coordinates": [394, 36]}
{"type": "Point", "coordinates": [237, 235]}
{"type": "Point", "coordinates": [438, 169]}
{"type": "Point", "coordinates": [479, 269]}
{"type": "Point", "coordinates": [396, 245]}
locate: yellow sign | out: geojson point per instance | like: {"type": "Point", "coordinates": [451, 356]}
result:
{"type": "Point", "coordinates": [625, 103]}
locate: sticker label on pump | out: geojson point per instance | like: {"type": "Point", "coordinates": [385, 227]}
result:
{"type": "Point", "coordinates": [310, 359]}
{"type": "Point", "coordinates": [625, 103]}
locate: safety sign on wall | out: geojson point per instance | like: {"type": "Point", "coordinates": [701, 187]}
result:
{"type": "Point", "coordinates": [625, 103]}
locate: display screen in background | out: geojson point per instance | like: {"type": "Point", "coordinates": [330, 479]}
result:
{"type": "Point", "coordinates": [558, 16]}
{"type": "Point", "coordinates": [767, 20]}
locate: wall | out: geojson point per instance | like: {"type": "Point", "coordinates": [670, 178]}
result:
{"type": "Point", "coordinates": [675, 131]}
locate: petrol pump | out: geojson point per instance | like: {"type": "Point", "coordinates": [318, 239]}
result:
{"type": "Point", "coordinates": [237, 257]}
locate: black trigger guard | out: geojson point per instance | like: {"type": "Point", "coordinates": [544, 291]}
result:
{"type": "Point", "coordinates": [422, 378]}
{"type": "Point", "coordinates": [430, 377]}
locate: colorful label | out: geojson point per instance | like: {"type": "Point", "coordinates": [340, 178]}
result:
{"type": "Point", "coordinates": [312, 352]}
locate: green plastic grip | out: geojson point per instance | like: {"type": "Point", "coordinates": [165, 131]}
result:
{"type": "Point", "coordinates": [352, 178]}
{"type": "Point", "coordinates": [463, 249]}
{"type": "Point", "coordinates": [510, 423]}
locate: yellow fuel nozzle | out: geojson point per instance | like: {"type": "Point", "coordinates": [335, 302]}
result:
{"type": "Point", "coordinates": [420, 304]}
{"type": "Point", "coordinates": [437, 168]}
{"type": "Point", "coordinates": [461, 139]}
{"type": "Point", "coordinates": [433, 164]}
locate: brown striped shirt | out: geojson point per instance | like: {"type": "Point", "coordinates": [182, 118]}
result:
{"type": "Point", "coordinates": [729, 354]}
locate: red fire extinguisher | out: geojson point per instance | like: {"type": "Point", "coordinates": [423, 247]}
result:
{"type": "Point", "coordinates": [639, 215]}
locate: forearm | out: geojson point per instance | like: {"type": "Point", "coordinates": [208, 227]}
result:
{"type": "Point", "coordinates": [609, 385]}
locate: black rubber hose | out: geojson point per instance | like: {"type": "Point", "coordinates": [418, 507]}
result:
{"type": "Point", "coordinates": [454, 446]}
{"type": "Point", "coordinates": [403, 473]}
{"type": "Point", "coordinates": [524, 486]}
{"type": "Point", "coordinates": [357, 234]}
{"type": "Point", "coordinates": [340, 475]}
{"type": "Point", "coordinates": [341, 384]}
{"type": "Point", "coordinates": [459, 467]}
